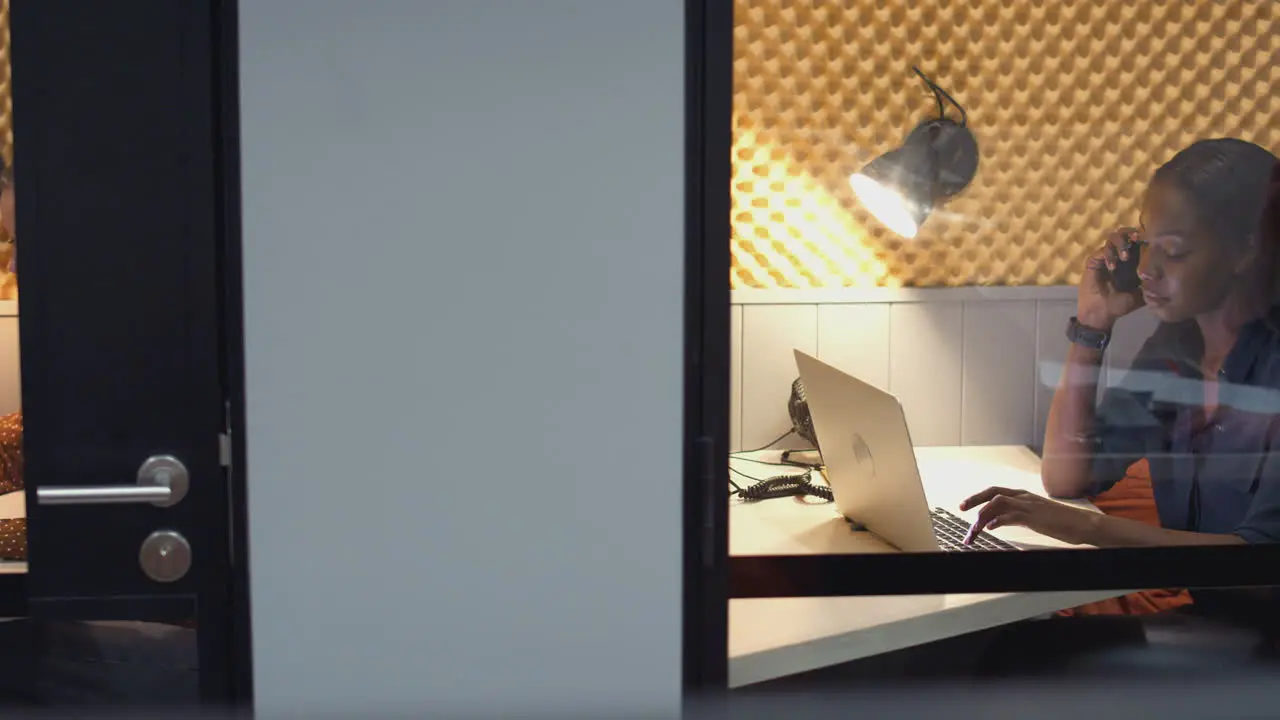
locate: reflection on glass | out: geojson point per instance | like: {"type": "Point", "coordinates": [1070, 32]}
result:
{"type": "Point", "coordinates": [100, 664]}
{"type": "Point", "coordinates": [13, 523]}
{"type": "Point", "coordinates": [1196, 410]}
{"type": "Point", "coordinates": [1198, 404]}
{"type": "Point", "coordinates": [887, 640]}
{"type": "Point", "coordinates": [8, 241]}
{"type": "Point", "coordinates": [1127, 394]}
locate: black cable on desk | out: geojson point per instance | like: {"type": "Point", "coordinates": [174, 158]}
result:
{"type": "Point", "coordinates": [780, 486]}
{"type": "Point", "coordinates": [775, 441]}
{"type": "Point", "coordinates": [777, 486]}
{"type": "Point", "coordinates": [786, 455]}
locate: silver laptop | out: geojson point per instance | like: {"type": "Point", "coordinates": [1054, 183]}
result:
{"type": "Point", "coordinates": [871, 465]}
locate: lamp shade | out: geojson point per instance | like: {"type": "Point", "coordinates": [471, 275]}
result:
{"type": "Point", "coordinates": [901, 188]}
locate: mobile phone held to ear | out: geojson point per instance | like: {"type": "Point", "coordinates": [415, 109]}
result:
{"type": "Point", "coordinates": [1125, 277]}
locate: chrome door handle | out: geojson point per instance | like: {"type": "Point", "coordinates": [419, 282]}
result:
{"type": "Point", "coordinates": [162, 481]}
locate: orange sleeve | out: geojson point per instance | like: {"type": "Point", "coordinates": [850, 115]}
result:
{"type": "Point", "coordinates": [1132, 498]}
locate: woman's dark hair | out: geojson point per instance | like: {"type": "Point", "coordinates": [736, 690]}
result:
{"type": "Point", "coordinates": [1226, 180]}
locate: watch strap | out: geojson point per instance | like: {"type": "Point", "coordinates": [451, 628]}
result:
{"type": "Point", "coordinates": [1086, 336]}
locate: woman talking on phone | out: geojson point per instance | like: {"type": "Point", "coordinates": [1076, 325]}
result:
{"type": "Point", "coordinates": [1201, 400]}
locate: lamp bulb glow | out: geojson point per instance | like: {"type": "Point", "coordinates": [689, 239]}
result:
{"type": "Point", "coordinates": [886, 204]}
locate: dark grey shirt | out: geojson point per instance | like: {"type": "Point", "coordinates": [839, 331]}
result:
{"type": "Point", "coordinates": [1222, 477]}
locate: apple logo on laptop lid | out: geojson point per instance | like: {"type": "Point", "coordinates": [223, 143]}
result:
{"type": "Point", "coordinates": [864, 463]}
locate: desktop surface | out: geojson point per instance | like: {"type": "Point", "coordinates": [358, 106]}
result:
{"type": "Point", "coordinates": [800, 526]}
{"type": "Point", "coordinates": [775, 637]}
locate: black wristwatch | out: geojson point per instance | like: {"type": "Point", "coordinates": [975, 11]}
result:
{"type": "Point", "coordinates": [1085, 336]}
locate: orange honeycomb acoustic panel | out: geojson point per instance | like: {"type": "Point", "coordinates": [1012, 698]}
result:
{"type": "Point", "coordinates": [1074, 103]}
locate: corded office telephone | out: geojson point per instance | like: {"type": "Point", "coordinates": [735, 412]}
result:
{"type": "Point", "coordinates": [801, 425]}
{"type": "Point", "coordinates": [788, 485]}
{"type": "Point", "coordinates": [798, 408]}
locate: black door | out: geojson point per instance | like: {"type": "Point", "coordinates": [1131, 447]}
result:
{"type": "Point", "coordinates": [127, 213]}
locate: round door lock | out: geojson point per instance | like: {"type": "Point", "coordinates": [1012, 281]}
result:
{"type": "Point", "coordinates": [165, 556]}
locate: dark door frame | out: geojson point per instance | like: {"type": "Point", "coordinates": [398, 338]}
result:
{"type": "Point", "coordinates": [708, 173]}
{"type": "Point", "coordinates": [226, 47]}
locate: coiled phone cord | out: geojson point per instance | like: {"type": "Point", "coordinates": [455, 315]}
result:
{"type": "Point", "coordinates": [777, 486]}
{"type": "Point", "coordinates": [780, 486]}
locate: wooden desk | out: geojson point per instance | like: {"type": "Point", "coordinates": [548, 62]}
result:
{"type": "Point", "coordinates": [776, 637]}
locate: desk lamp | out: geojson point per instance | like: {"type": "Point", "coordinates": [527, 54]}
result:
{"type": "Point", "coordinates": [938, 159]}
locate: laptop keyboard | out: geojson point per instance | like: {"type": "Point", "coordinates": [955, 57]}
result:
{"type": "Point", "coordinates": [951, 529]}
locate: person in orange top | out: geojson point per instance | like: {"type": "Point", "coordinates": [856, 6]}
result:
{"type": "Point", "coordinates": [1184, 414]}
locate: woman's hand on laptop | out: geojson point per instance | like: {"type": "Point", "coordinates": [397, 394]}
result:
{"type": "Point", "coordinates": [1005, 506]}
